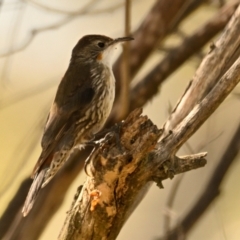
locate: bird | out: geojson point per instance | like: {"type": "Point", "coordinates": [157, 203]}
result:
{"type": "Point", "coordinates": [81, 106]}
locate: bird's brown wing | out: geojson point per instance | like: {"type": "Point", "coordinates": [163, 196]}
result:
{"type": "Point", "coordinates": [58, 121]}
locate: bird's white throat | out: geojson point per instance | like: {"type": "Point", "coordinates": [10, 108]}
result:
{"type": "Point", "coordinates": [109, 55]}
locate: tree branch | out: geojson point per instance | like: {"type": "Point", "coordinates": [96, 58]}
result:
{"type": "Point", "coordinates": [209, 71]}
{"type": "Point", "coordinates": [123, 102]}
{"type": "Point", "coordinates": [116, 178]}
{"type": "Point", "coordinates": [211, 192]}
{"type": "Point", "coordinates": [149, 85]}
{"type": "Point", "coordinates": [160, 21]}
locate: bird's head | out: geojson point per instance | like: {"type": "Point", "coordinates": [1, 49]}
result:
{"type": "Point", "coordinates": [96, 48]}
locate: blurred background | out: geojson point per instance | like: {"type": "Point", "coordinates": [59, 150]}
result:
{"type": "Point", "coordinates": [36, 39]}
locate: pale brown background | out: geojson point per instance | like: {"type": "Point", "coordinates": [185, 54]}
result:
{"type": "Point", "coordinates": [28, 82]}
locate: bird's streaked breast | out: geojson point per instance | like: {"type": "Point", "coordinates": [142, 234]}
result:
{"type": "Point", "coordinates": [106, 98]}
{"type": "Point", "coordinates": [99, 110]}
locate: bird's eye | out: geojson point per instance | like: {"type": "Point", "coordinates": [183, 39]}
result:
{"type": "Point", "coordinates": [101, 44]}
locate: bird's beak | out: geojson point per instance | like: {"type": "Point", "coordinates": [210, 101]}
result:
{"type": "Point", "coordinates": [123, 39]}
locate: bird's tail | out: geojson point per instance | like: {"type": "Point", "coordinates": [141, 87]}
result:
{"type": "Point", "coordinates": [33, 192]}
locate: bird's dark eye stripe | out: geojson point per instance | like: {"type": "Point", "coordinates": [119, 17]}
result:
{"type": "Point", "coordinates": [101, 44]}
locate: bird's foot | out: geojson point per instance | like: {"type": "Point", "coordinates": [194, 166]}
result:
{"type": "Point", "coordinates": [92, 143]}
{"type": "Point", "coordinates": [107, 134]}
{"type": "Point", "coordinates": [115, 132]}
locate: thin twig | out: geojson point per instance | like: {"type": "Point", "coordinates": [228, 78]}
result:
{"type": "Point", "coordinates": [28, 93]}
{"type": "Point", "coordinates": [77, 12]}
{"type": "Point", "coordinates": [123, 103]}
{"type": "Point", "coordinates": [155, 27]}
{"type": "Point", "coordinates": [13, 35]}
{"type": "Point", "coordinates": [170, 201]}
{"type": "Point", "coordinates": [34, 32]}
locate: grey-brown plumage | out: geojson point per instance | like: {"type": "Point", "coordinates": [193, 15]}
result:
{"type": "Point", "coordinates": [81, 106]}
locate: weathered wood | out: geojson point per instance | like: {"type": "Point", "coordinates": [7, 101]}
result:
{"type": "Point", "coordinates": [117, 173]}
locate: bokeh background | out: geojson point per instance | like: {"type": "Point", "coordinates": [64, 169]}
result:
{"type": "Point", "coordinates": [36, 39]}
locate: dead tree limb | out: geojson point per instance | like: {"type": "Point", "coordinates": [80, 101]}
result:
{"type": "Point", "coordinates": [116, 179]}
{"type": "Point", "coordinates": [211, 192]}
{"type": "Point", "coordinates": [209, 71]}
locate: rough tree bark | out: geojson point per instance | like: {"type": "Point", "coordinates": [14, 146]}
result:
{"type": "Point", "coordinates": [118, 173]}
